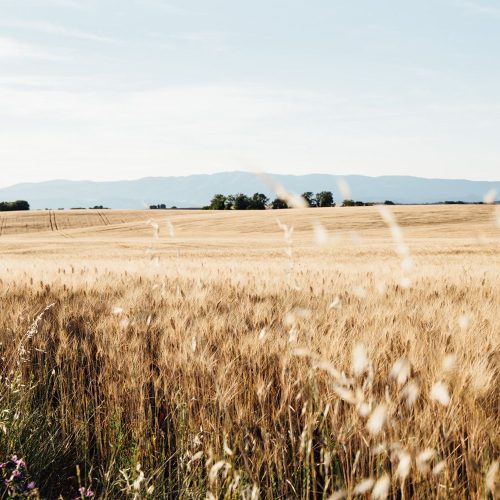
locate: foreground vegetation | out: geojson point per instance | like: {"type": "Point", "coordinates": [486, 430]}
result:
{"type": "Point", "coordinates": [274, 364]}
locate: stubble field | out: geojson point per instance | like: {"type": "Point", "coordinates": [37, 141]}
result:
{"type": "Point", "coordinates": [309, 353]}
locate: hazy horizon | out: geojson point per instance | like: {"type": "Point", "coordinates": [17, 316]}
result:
{"type": "Point", "coordinates": [131, 179]}
{"type": "Point", "coordinates": [193, 191]}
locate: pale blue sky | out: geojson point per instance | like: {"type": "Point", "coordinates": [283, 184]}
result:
{"type": "Point", "coordinates": [116, 89]}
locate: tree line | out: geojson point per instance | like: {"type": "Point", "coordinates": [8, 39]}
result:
{"type": "Point", "coordinates": [10, 206]}
{"type": "Point", "coordinates": [259, 201]}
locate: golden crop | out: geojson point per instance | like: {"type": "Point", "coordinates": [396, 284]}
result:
{"type": "Point", "coordinates": [329, 353]}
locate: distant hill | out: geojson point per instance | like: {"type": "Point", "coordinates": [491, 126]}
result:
{"type": "Point", "coordinates": [197, 190]}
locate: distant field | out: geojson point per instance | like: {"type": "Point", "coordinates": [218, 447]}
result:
{"type": "Point", "coordinates": [231, 355]}
{"type": "Point", "coordinates": [469, 221]}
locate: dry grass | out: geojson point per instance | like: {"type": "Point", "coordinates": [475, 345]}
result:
{"type": "Point", "coordinates": [231, 361]}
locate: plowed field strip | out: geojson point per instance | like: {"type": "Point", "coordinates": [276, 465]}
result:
{"type": "Point", "coordinates": [55, 223]}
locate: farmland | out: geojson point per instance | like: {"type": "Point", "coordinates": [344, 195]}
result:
{"type": "Point", "coordinates": [287, 353]}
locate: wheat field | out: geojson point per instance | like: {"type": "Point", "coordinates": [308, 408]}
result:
{"type": "Point", "coordinates": [304, 353]}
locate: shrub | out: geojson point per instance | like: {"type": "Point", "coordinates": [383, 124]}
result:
{"type": "Point", "coordinates": [279, 204]}
{"type": "Point", "coordinates": [10, 206]}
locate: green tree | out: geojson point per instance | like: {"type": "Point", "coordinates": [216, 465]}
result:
{"type": "Point", "coordinates": [325, 199]}
{"type": "Point", "coordinates": [277, 204]}
{"type": "Point", "coordinates": [348, 203]}
{"type": "Point", "coordinates": [258, 201]}
{"type": "Point", "coordinates": [309, 197]}
{"type": "Point", "coordinates": [241, 202]}
{"type": "Point", "coordinates": [10, 206]}
{"type": "Point", "coordinates": [229, 205]}
{"type": "Point", "coordinates": [218, 202]}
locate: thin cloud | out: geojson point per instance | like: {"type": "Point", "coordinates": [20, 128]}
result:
{"type": "Point", "coordinates": [56, 82]}
{"type": "Point", "coordinates": [169, 7]}
{"type": "Point", "coordinates": [12, 49]}
{"type": "Point", "coordinates": [205, 39]}
{"type": "Point", "coordinates": [58, 30]}
{"type": "Point", "coordinates": [478, 7]}
{"type": "Point", "coordinates": [155, 127]}
{"type": "Point", "coordinates": [73, 4]}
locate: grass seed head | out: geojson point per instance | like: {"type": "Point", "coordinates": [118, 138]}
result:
{"type": "Point", "coordinates": [364, 486]}
{"type": "Point", "coordinates": [439, 392]}
{"type": "Point", "coordinates": [359, 360]}
{"type": "Point", "coordinates": [377, 419]}
{"type": "Point", "coordinates": [400, 371]}
{"type": "Point", "coordinates": [423, 459]}
{"type": "Point", "coordinates": [439, 468]}
{"type": "Point", "coordinates": [492, 477]}
{"type": "Point", "coordinates": [381, 488]}
{"type": "Point", "coordinates": [404, 465]}
{"type": "Point", "coordinates": [338, 495]}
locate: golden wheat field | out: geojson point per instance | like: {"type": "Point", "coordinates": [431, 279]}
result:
{"type": "Point", "coordinates": [304, 353]}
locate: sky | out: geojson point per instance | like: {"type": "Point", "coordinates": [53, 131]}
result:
{"type": "Point", "coordinates": [123, 89]}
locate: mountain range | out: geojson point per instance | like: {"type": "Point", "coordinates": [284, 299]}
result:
{"type": "Point", "coordinates": [197, 190]}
